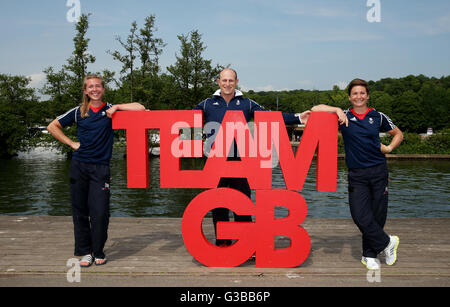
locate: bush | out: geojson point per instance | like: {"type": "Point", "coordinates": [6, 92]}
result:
{"type": "Point", "coordinates": [438, 143]}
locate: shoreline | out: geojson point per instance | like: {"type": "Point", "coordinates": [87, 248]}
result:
{"type": "Point", "coordinates": [410, 156]}
{"type": "Point", "coordinates": [397, 156]}
{"type": "Point", "coordinates": [120, 149]}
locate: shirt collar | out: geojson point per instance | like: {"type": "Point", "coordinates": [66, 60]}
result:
{"type": "Point", "coordinates": [236, 93]}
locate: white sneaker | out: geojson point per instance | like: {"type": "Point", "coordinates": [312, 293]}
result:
{"type": "Point", "coordinates": [371, 263]}
{"type": "Point", "coordinates": [391, 250]}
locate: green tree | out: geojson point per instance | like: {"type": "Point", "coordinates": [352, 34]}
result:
{"type": "Point", "coordinates": [18, 114]}
{"type": "Point", "coordinates": [149, 48]}
{"type": "Point", "coordinates": [65, 86]}
{"type": "Point", "coordinates": [149, 84]}
{"type": "Point", "coordinates": [77, 64]}
{"type": "Point", "coordinates": [382, 102]}
{"type": "Point", "coordinates": [338, 97]}
{"type": "Point", "coordinates": [57, 88]}
{"type": "Point", "coordinates": [127, 59]}
{"type": "Point", "coordinates": [406, 112]}
{"type": "Point", "coordinates": [192, 75]}
{"type": "Point", "coordinates": [435, 105]}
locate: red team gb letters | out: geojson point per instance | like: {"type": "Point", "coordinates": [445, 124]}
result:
{"type": "Point", "coordinates": [255, 147]}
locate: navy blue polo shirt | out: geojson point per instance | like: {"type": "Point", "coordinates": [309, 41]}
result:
{"type": "Point", "coordinates": [214, 108]}
{"type": "Point", "coordinates": [362, 140]}
{"type": "Point", "coordinates": [94, 132]}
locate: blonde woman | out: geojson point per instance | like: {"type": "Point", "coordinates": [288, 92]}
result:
{"type": "Point", "coordinates": [89, 169]}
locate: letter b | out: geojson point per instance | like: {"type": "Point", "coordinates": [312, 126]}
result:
{"type": "Point", "coordinates": [268, 227]}
{"type": "Point", "coordinates": [258, 236]}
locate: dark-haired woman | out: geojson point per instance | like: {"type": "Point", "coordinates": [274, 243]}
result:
{"type": "Point", "coordinates": [367, 171]}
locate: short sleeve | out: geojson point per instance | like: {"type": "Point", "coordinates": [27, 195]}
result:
{"type": "Point", "coordinates": [201, 106]}
{"type": "Point", "coordinates": [68, 118]}
{"type": "Point", "coordinates": [386, 123]}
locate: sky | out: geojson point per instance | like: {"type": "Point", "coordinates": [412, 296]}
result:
{"type": "Point", "coordinates": [273, 45]}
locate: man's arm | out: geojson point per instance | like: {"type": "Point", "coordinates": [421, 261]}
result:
{"type": "Point", "coordinates": [303, 117]}
{"type": "Point", "coordinates": [289, 118]}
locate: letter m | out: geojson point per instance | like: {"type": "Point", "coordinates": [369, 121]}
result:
{"type": "Point", "coordinates": [321, 132]}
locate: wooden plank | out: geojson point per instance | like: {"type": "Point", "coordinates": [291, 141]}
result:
{"type": "Point", "coordinates": [41, 245]}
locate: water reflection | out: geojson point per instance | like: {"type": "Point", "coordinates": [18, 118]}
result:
{"type": "Point", "coordinates": [36, 183]}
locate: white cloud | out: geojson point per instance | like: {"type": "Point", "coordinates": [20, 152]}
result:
{"type": "Point", "coordinates": [37, 80]}
{"type": "Point", "coordinates": [342, 84]}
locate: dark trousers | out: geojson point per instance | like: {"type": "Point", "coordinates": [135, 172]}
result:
{"type": "Point", "coordinates": [368, 198]}
{"type": "Point", "coordinates": [89, 193]}
{"type": "Point", "coordinates": [222, 214]}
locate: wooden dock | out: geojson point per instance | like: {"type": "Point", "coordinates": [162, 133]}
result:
{"type": "Point", "coordinates": [34, 251]}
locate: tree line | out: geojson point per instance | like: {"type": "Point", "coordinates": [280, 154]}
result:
{"type": "Point", "coordinates": [413, 102]}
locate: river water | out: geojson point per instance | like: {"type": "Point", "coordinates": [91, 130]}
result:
{"type": "Point", "coordinates": [37, 183]}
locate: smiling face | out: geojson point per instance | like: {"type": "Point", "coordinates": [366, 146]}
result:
{"type": "Point", "coordinates": [227, 82]}
{"type": "Point", "coordinates": [94, 89]}
{"type": "Point", "coordinates": [359, 97]}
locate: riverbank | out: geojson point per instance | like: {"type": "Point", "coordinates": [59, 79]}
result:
{"type": "Point", "coordinates": [417, 156]}
{"type": "Point", "coordinates": [399, 156]}
{"type": "Point", "coordinates": [410, 157]}
{"type": "Point", "coordinates": [34, 251]}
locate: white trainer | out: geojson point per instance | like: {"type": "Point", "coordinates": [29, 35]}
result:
{"type": "Point", "coordinates": [371, 263]}
{"type": "Point", "coordinates": [391, 250]}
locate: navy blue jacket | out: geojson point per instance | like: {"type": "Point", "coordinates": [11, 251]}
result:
{"type": "Point", "coordinates": [214, 110]}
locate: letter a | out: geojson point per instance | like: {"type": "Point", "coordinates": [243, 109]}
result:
{"type": "Point", "coordinates": [374, 14]}
{"type": "Point", "coordinates": [73, 15]}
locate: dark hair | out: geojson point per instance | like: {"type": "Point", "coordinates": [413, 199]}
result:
{"type": "Point", "coordinates": [357, 82]}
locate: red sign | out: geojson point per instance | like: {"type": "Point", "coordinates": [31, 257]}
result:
{"type": "Point", "coordinates": [255, 147]}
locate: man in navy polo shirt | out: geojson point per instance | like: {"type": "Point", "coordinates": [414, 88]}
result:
{"type": "Point", "coordinates": [227, 98]}
{"type": "Point", "coordinates": [367, 171]}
